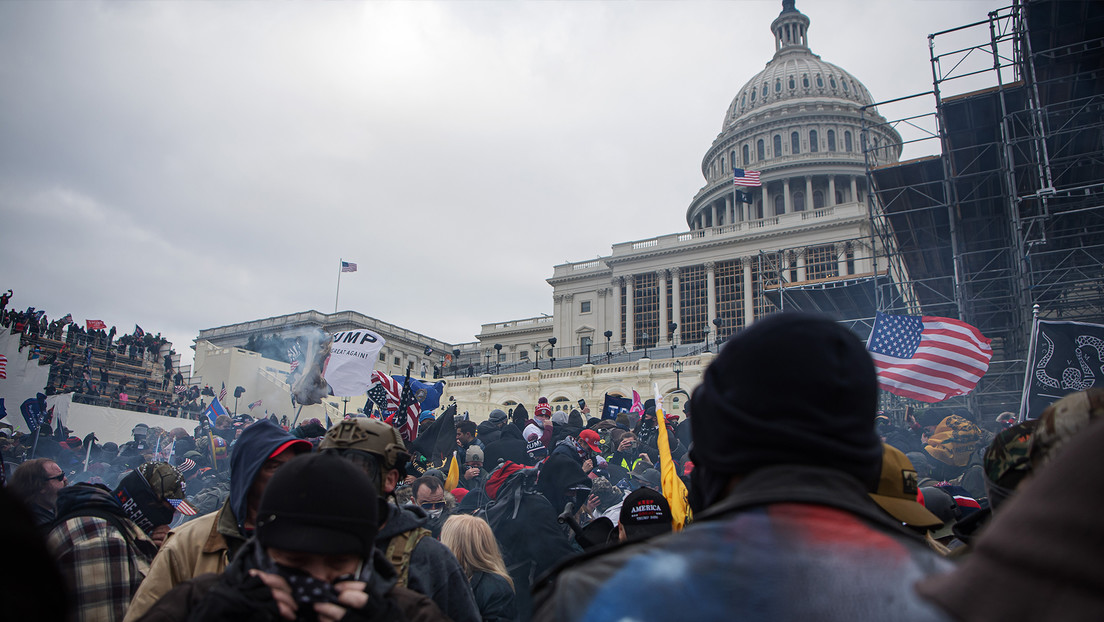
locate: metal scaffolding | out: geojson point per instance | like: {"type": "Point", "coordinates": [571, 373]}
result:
{"type": "Point", "coordinates": [1009, 211]}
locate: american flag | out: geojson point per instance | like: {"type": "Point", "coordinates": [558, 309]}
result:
{"type": "Point", "coordinates": [928, 358]}
{"type": "Point", "coordinates": [183, 507]}
{"type": "Point", "coordinates": [348, 266]}
{"type": "Point", "coordinates": [401, 400]}
{"type": "Point", "coordinates": [180, 388]}
{"type": "Point", "coordinates": [254, 404]}
{"type": "Point", "coordinates": [3, 366]}
{"type": "Point", "coordinates": [222, 393]}
{"type": "Point", "coordinates": [740, 177]}
{"type": "Point", "coordinates": [378, 395]}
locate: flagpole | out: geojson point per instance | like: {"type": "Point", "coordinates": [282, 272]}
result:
{"type": "Point", "coordinates": [339, 261]}
{"type": "Point", "coordinates": [1030, 361]}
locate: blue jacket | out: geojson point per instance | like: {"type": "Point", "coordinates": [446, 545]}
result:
{"type": "Point", "coordinates": [250, 452]}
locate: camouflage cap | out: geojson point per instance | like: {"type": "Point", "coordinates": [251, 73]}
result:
{"type": "Point", "coordinates": [1062, 420]}
{"type": "Point", "coordinates": [165, 481]}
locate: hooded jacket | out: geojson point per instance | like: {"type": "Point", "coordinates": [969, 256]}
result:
{"type": "Point", "coordinates": [207, 543]}
{"type": "Point", "coordinates": [433, 569]}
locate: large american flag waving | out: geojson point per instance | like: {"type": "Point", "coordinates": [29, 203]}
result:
{"type": "Point", "coordinates": [406, 410]}
{"type": "Point", "coordinates": [927, 358]}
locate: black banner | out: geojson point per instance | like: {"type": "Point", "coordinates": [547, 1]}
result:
{"type": "Point", "coordinates": [1067, 357]}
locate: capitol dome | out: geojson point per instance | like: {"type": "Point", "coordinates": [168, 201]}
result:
{"type": "Point", "coordinates": [800, 123]}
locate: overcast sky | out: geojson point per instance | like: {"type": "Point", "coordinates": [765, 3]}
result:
{"type": "Point", "coordinates": [191, 165]}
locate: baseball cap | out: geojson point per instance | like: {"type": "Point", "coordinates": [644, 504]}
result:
{"type": "Point", "coordinates": [590, 437]}
{"type": "Point", "coordinates": [645, 513]}
{"type": "Point", "coordinates": [897, 490]}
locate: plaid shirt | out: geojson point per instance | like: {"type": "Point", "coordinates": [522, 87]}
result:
{"type": "Point", "coordinates": [102, 569]}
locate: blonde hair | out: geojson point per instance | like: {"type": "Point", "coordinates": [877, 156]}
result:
{"type": "Point", "coordinates": [470, 539]}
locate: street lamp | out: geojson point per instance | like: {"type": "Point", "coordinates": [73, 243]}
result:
{"type": "Point", "coordinates": [345, 408]}
{"type": "Point", "coordinates": [671, 327]}
{"type": "Point", "coordinates": [644, 340]}
{"type": "Point", "coordinates": [609, 356]}
{"type": "Point", "coordinates": [498, 357]}
{"type": "Point", "coordinates": [705, 337]}
{"type": "Point", "coordinates": [456, 362]}
{"type": "Point", "coordinates": [677, 367]}
{"type": "Point", "coordinates": [552, 352]}
{"type": "Point", "coordinates": [717, 331]}
{"type": "Point", "coordinates": [487, 361]}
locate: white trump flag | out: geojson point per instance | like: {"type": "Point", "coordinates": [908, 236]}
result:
{"type": "Point", "coordinates": [353, 357]}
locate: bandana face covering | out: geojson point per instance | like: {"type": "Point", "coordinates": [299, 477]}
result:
{"type": "Point", "coordinates": [306, 589]}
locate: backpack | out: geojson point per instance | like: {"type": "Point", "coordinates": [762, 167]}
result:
{"type": "Point", "coordinates": [401, 548]}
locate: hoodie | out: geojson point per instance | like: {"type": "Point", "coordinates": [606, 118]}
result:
{"type": "Point", "coordinates": [433, 569]}
{"type": "Point", "coordinates": [256, 444]}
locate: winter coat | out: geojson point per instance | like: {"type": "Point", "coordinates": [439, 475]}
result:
{"type": "Point", "coordinates": [495, 597]}
{"type": "Point", "coordinates": [789, 542]}
{"type": "Point", "coordinates": [433, 569]}
{"type": "Point", "coordinates": [197, 547]}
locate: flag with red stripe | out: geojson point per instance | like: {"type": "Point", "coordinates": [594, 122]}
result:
{"type": "Point", "coordinates": [407, 420]}
{"type": "Point", "coordinates": [928, 358]}
{"type": "Point", "coordinates": [183, 507]}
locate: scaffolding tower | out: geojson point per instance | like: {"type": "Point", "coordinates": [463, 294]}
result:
{"type": "Point", "coordinates": [1008, 211]}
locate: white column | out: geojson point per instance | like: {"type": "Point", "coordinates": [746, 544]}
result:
{"type": "Point", "coordinates": [710, 293]}
{"type": "Point", "coordinates": [854, 190]}
{"type": "Point", "coordinates": [712, 214]}
{"type": "Point", "coordinates": [567, 331]}
{"type": "Point", "coordinates": [558, 315]}
{"type": "Point", "coordinates": [676, 311]}
{"type": "Point", "coordinates": [808, 192]}
{"type": "Point", "coordinates": [787, 199]}
{"type": "Point", "coordinates": [766, 202]}
{"type": "Point", "coordinates": [630, 313]}
{"type": "Point", "coordinates": [801, 265]}
{"type": "Point", "coordinates": [661, 281]}
{"type": "Point", "coordinates": [841, 258]}
{"type": "Point", "coordinates": [730, 211]}
{"type": "Point", "coordinates": [602, 315]}
{"type": "Point", "coordinates": [615, 303]}
{"type": "Point", "coordinates": [749, 295]}
{"type": "Point", "coordinates": [831, 190]}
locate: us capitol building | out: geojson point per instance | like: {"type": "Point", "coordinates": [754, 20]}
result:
{"type": "Point", "coordinates": [658, 306]}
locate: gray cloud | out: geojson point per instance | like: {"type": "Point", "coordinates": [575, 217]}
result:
{"type": "Point", "coordinates": [188, 165]}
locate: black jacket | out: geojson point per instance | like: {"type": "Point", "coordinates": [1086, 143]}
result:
{"type": "Point", "coordinates": [495, 597]}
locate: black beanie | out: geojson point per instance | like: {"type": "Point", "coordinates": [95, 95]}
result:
{"type": "Point", "coordinates": [319, 503]}
{"type": "Point", "coordinates": [793, 388]}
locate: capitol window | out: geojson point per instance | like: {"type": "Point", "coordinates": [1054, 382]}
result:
{"type": "Point", "coordinates": [777, 146]}
{"type": "Point", "coordinates": [584, 306]}
{"type": "Point", "coordinates": [778, 85]}
{"type": "Point", "coordinates": [847, 142]}
{"type": "Point", "coordinates": [753, 96]}
{"type": "Point", "coordinates": [813, 145]}
{"type": "Point", "coordinates": [765, 91]}
{"type": "Point", "coordinates": [832, 81]}
{"type": "Point", "coordinates": [793, 85]}
{"type": "Point", "coordinates": [795, 143]}
{"type": "Point", "coordinates": [779, 205]}
{"type": "Point", "coordinates": [845, 86]}
{"type": "Point", "coordinates": [747, 154]}
{"type": "Point", "coordinates": [760, 151]}
{"type": "Point", "coordinates": [805, 80]}
{"type": "Point", "coordinates": [820, 81]}
{"type": "Point", "coordinates": [799, 203]}
{"type": "Point", "coordinates": [831, 140]}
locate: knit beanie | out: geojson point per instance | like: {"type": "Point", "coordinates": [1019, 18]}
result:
{"type": "Point", "coordinates": [793, 388]}
{"type": "Point", "coordinates": [319, 503]}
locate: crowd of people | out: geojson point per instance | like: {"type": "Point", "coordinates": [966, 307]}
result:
{"type": "Point", "coordinates": [806, 502]}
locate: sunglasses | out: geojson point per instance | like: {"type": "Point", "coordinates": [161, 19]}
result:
{"type": "Point", "coordinates": [440, 505]}
{"type": "Point", "coordinates": [59, 478]}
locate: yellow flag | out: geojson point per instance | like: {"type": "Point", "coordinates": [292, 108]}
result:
{"type": "Point", "coordinates": [453, 477]}
{"type": "Point", "coordinates": [673, 488]}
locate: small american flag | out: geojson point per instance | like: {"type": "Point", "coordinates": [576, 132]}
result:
{"type": "Point", "coordinates": [927, 358]}
{"type": "Point", "coordinates": [348, 266]}
{"type": "Point", "coordinates": [295, 365]}
{"type": "Point", "coordinates": [3, 366]}
{"type": "Point", "coordinates": [183, 507]}
{"type": "Point", "coordinates": [222, 393]}
{"type": "Point", "coordinates": [378, 395]}
{"type": "Point", "coordinates": [740, 177]}
{"type": "Point", "coordinates": [180, 388]}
